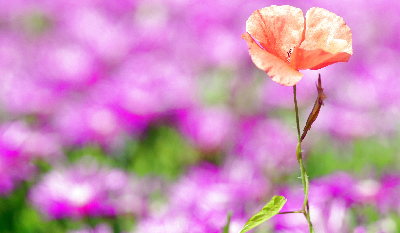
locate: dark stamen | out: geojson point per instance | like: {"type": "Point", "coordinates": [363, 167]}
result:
{"type": "Point", "coordinates": [289, 53]}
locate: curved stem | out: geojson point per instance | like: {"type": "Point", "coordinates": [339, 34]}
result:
{"type": "Point", "coordinates": [297, 113]}
{"type": "Point", "coordinates": [304, 177]}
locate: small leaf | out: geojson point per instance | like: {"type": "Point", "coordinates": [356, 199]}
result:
{"type": "Point", "coordinates": [226, 228]}
{"type": "Point", "coordinates": [271, 209]}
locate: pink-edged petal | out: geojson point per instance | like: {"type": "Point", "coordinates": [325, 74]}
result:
{"type": "Point", "coordinates": [324, 31]}
{"type": "Point", "coordinates": [277, 28]}
{"type": "Point", "coordinates": [277, 69]}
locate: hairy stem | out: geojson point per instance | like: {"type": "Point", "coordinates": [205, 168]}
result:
{"type": "Point", "coordinates": [304, 177]}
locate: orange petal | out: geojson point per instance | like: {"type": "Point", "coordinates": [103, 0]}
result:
{"type": "Point", "coordinates": [277, 28]}
{"type": "Point", "coordinates": [327, 38]}
{"type": "Point", "coordinates": [302, 59]}
{"type": "Point", "coordinates": [277, 69]}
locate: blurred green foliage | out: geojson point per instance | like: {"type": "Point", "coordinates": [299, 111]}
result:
{"type": "Point", "coordinates": [17, 216]}
{"type": "Point", "coordinates": [162, 152]}
{"type": "Point", "coordinates": [359, 157]}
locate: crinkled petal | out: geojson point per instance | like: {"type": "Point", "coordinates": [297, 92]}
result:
{"type": "Point", "coordinates": [277, 69]}
{"type": "Point", "coordinates": [277, 28]}
{"type": "Point", "coordinates": [327, 40]}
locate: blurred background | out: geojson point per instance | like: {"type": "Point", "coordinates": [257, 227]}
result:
{"type": "Point", "coordinates": [149, 116]}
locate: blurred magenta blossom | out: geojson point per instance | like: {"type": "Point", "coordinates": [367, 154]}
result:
{"type": "Point", "coordinates": [86, 189]}
{"type": "Point", "coordinates": [329, 199]}
{"type": "Point", "coordinates": [100, 228]}
{"type": "Point", "coordinates": [265, 143]}
{"type": "Point", "coordinates": [19, 147]}
{"type": "Point", "coordinates": [81, 123]}
{"type": "Point", "coordinates": [209, 128]}
{"type": "Point", "coordinates": [201, 200]}
{"type": "Point", "coordinates": [386, 196]}
{"type": "Point", "coordinates": [15, 166]}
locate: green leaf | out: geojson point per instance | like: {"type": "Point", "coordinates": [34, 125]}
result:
{"type": "Point", "coordinates": [226, 228]}
{"type": "Point", "coordinates": [271, 209]}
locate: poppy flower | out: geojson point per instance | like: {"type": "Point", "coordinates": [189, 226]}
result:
{"type": "Point", "coordinates": [281, 42]}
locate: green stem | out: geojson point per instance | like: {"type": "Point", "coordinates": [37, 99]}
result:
{"type": "Point", "coordinates": [304, 177]}
{"type": "Point", "coordinates": [292, 212]}
{"type": "Point", "coordinates": [297, 113]}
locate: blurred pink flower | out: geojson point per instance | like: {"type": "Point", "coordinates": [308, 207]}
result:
{"type": "Point", "coordinates": [386, 196]}
{"type": "Point", "coordinates": [15, 163]}
{"type": "Point", "coordinates": [110, 37]}
{"type": "Point", "coordinates": [65, 65]}
{"type": "Point", "coordinates": [87, 122]}
{"type": "Point", "coordinates": [360, 229]}
{"type": "Point", "coordinates": [22, 94]}
{"type": "Point", "coordinates": [266, 143]}
{"type": "Point", "coordinates": [144, 89]}
{"type": "Point", "coordinates": [100, 228]}
{"type": "Point", "coordinates": [329, 198]}
{"type": "Point", "coordinates": [209, 128]}
{"type": "Point", "coordinates": [347, 123]}
{"type": "Point", "coordinates": [87, 190]}
{"type": "Point", "coordinates": [201, 200]}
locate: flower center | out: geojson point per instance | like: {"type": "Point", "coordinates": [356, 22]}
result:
{"type": "Point", "coordinates": [288, 54]}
